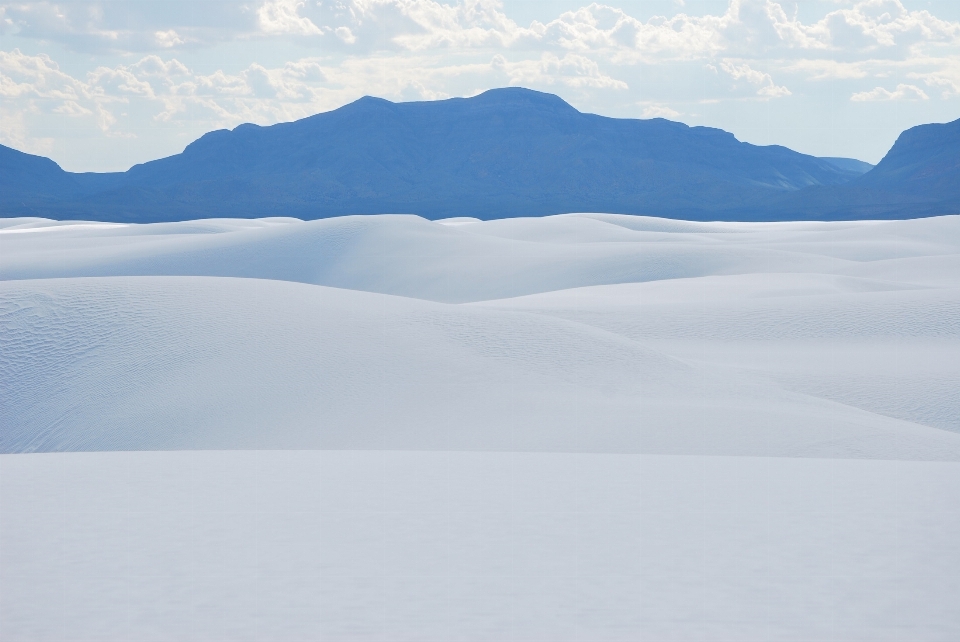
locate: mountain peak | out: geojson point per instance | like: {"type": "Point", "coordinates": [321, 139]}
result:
{"type": "Point", "coordinates": [926, 158]}
{"type": "Point", "coordinates": [521, 96]}
{"type": "Point", "coordinates": [502, 97]}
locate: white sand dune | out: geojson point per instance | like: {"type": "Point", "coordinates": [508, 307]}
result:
{"type": "Point", "coordinates": [132, 363]}
{"type": "Point", "coordinates": [644, 335]}
{"type": "Point", "coordinates": [410, 256]}
{"type": "Point", "coordinates": [884, 346]}
{"type": "Point", "coordinates": [579, 427]}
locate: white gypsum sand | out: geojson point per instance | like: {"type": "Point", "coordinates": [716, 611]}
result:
{"type": "Point", "coordinates": [391, 545]}
{"type": "Point", "coordinates": [573, 427]}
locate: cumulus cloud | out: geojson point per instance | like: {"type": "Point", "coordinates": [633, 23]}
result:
{"type": "Point", "coordinates": [885, 24]}
{"type": "Point", "coordinates": [170, 91]}
{"type": "Point", "coordinates": [659, 111]}
{"type": "Point", "coordinates": [282, 17]}
{"type": "Point", "coordinates": [857, 39]}
{"type": "Point", "coordinates": [902, 92]}
{"type": "Point", "coordinates": [426, 49]}
{"type": "Point", "coordinates": [757, 27]}
{"type": "Point", "coordinates": [826, 69]}
{"type": "Point", "coordinates": [15, 132]}
{"type": "Point", "coordinates": [345, 34]}
{"type": "Point", "coordinates": [572, 70]}
{"type": "Point", "coordinates": [126, 27]}
{"type": "Point", "coordinates": [762, 81]}
{"type": "Point", "coordinates": [748, 27]}
{"type": "Point", "coordinates": [943, 75]}
{"type": "Point", "coordinates": [168, 39]}
{"type": "Point", "coordinates": [38, 78]}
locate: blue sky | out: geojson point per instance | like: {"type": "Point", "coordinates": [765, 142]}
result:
{"type": "Point", "coordinates": [100, 86]}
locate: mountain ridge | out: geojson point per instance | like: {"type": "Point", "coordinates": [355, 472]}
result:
{"type": "Point", "coordinates": [506, 152]}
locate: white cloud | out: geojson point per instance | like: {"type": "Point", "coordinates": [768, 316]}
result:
{"type": "Point", "coordinates": [168, 39]}
{"type": "Point", "coordinates": [426, 49]}
{"type": "Point", "coordinates": [761, 80]}
{"type": "Point", "coordinates": [282, 17]}
{"type": "Point", "coordinates": [345, 34]}
{"type": "Point", "coordinates": [104, 119]}
{"type": "Point", "coordinates": [944, 76]}
{"type": "Point", "coordinates": [36, 85]}
{"type": "Point", "coordinates": [902, 92]}
{"type": "Point", "coordinates": [747, 29]}
{"type": "Point", "coordinates": [572, 70]}
{"type": "Point", "coordinates": [826, 69]}
{"type": "Point", "coordinates": [125, 27]}
{"type": "Point", "coordinates": [879, 24]}
{"type": "Point", "coordinates": [71, 108]}
{"type": "Point", "coordinates": [15, 132]}
{"type": "Point", "coordinates": [168, 91]}
{"type": "Point", "coordinates": [660, 111]}
{"type": "Point", "coordinates": [37, 77]}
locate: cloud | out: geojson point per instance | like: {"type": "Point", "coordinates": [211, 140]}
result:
{"type": "Point", "coordinates": [168, 39]}
{"type": "Point", "coordinates": [747, 28]}
{"type": "Point", "coordinates": [763, 81]}
{"type": "Point", "coordinates": [15, 132]}
{"type": "Point", "coordinates": [168, 91]}
{"type": "Point", "coordinates": [856, 40]}
{"type": "Point", "coordinates": [427, 49]}
{"type": "Point", "coordinates": [902, 92]}
{"type": "Point", "coordinates": [35, 84]}
{"type": "Point", "coordinates": [126, 27]}
{"type": "Point", "coordinates": [345, 34]}
{"type": "Point", "coordinates": [875, 25]}
{"type": "Point", "coordinates": [38, 78]}
{"type": "Point", "coordinates": [572, 70]}
{"type": "Point", "coordinates": [941, 74]}
{"type": "Point", "coordinates": [282, 17]}
{"type": "Point", "coordinates": [659, 111]}
{"type": "Point", "coordinates": [826, 69]}
{"type": "Point", "coordinates": [71, 108]}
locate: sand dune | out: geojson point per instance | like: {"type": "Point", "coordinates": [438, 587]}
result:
{"type": "Point", "coordinates": [634, 335]}
{"type": "Point", "coordinates": [130, 363]}
{"type": "Point", "coordinates": [410, 256]}
{"type": "Point", "coordinates": [579, 427]}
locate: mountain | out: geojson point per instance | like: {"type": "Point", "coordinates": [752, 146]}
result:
{"type": "Point", "coordinates": [848, 164]}
{"type": "Point", "coordinates": [25, 177]}
{"type": "Point", "coordinates": [506, 152]}
{"type": "Point", "coordinates": [919, 176]}
{"type": "Point", "coordinates": [925, 160]}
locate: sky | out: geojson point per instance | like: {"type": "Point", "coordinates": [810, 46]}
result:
{"type": "Point", "coordinates": [101, 86]}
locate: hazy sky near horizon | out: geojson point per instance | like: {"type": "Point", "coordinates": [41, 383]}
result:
{"type": "Point", "coordinates": [100, 86]}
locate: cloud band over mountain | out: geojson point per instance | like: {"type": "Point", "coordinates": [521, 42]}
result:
{"type": "Point", "coordinates": [133, 81]}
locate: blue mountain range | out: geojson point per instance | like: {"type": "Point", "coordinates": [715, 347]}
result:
{"type": "Point", "coordinates": [506, 152]}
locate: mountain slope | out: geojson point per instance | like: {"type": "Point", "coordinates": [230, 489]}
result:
{"type": "Point", "coordinates": [506, 152]}
{"type": "Point", "coordinates": [924, 162]}
{"type": "Point", "coordinates": [849, 164]}
{"type": "Point", "coordinates": [25, 177]}
{"type": "Point", "coordinates": [919, 176]}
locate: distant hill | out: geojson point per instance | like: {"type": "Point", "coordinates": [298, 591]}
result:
{"type": "Point", "coordinates": [919, 176]}
{"type": "Point", "coordinates": [924, 160]}
{"type": "Point", "coordinates": [506, 152]}
{"type": "Point", "coordinates": [848, 164]}
{"type": "Point", "coordinates": [32, 179]}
